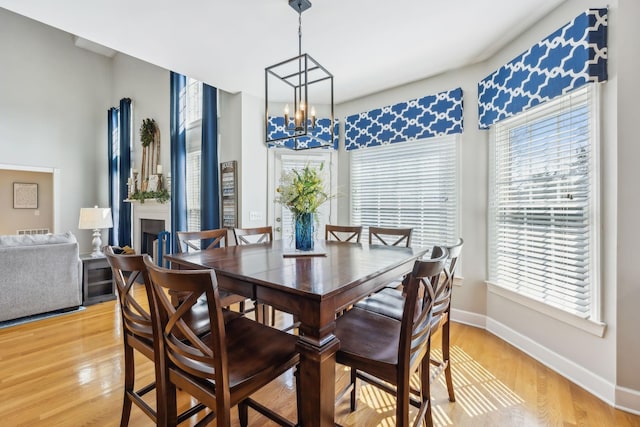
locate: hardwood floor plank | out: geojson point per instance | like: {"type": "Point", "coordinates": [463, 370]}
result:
{"type": "Point", "coordinates": [68, 371]}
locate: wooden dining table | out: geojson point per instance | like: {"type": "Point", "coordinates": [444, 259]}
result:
{"type": "Point", "coordinates": [311, 286]}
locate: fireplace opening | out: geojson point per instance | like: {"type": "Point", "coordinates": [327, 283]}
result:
{"type": "Point", "coordinates": [149, 230]}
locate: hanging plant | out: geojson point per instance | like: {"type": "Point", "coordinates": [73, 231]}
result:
{"type": "Point", "coordinates": [147, 132]}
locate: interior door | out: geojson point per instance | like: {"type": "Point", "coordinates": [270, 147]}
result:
{"type": "Point", "coordinates": [287, 161]}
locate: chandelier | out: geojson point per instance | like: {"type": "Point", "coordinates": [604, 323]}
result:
{"type": "Point", "coordinates": [300, 92]}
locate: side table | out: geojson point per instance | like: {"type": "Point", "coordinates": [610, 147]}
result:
{"type": "Point", "coordinates": [97, 281]}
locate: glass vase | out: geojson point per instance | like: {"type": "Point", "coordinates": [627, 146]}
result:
{"type": "Point", "coordinates": [304, 231]}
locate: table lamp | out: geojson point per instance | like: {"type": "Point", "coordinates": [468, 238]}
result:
{"type": "Point", "coordinates": [95, 219]}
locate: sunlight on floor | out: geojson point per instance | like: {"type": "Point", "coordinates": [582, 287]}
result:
{"type": "Point", "coordinates": [478, 392]}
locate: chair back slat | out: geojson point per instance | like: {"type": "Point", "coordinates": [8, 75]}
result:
{"type": "Point", "coordinates": [126, 270]}
{"type": "Point", "coordinates": [249, 236]}
{"type": "Point", "coordinates": [343, 233]}
{"type": "Point", "coordinates": [204, 357]}
{"type": "Point", "coordinates": [390, 236]}
{"type": "Point", "coordinates": [196, 240]}
{"type": "Point", "coordinates": [415, 330]}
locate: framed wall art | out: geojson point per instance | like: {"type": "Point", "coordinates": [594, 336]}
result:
{"type": "Point", "coordinates": [25, 195]}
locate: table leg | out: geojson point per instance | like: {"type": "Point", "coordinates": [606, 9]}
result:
{"type": "Point", "coordinates": [317, 383]}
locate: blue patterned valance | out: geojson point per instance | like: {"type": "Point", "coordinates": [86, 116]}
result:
{"type": "Point", "coordinates": [432, 115]}
{"type": "Point", "coordinates": [569, 58]}
{"type": "Point", "coordinates": [276, 130]}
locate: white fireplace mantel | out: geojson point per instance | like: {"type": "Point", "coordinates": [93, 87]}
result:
{"type": "Point", "coordinates": [150, 209]}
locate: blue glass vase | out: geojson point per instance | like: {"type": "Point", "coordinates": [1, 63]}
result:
{"type": "Point", "coordinates": [304, 231]}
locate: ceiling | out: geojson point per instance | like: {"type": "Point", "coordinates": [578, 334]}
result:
{"type": "Point", "coordinates": [368, 46]}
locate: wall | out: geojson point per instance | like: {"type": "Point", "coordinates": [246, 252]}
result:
{"type": "Point", "coordinates": [24, 219]}
{"type": "Point", "coordinates": [52, 113]}
{"type": "Point", "coordinates": [606, 366]}
{"type": "Point", "coordinates": [148, 88]}
{"type": "Point", "coordinates": [628, 202]}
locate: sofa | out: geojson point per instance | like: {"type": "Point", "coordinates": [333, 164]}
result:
{"type": "Point", "coordinates": [39, 274]}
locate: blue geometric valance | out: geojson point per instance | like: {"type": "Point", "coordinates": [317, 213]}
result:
{"type": "Point", "coordinates": [572, 56]}
{"type": "Point", "coordinates": [275, 130]}
{"type": "Point", "coordinates": [426, 117]}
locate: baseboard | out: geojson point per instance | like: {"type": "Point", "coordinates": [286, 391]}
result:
{"type": "Point", "coordinates": [621, 398]}
{"type": "Point", "coordinates": [628, 400]}
{"type": "Point", "coordinates": [575, 373]}
{"type": "Point", "coordinates": [469, 318]}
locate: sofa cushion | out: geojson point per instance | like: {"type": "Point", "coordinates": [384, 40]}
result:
{"type": "Point", "coordinates": [36, 239]}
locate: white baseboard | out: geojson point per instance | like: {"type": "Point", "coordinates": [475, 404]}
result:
{"type": "Point", "coordinates": [469, 318]}
{"type": "Point", "coordinates": [628, 400]}
{"type": "Point", "coordinates": [621, 398]}
{"type": "Point", "coordinates": [594, 384]}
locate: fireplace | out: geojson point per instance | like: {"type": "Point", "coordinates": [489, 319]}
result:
{"type": "Point", "coordinates": [149, 230]}
{"type": "Point", "coordinates": [149, 219]}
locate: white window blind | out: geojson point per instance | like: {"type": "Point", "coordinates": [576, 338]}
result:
{"type": "Point", "coordinates": [542, 203]}
{"type": "Point", "coordinates": [411, 184]}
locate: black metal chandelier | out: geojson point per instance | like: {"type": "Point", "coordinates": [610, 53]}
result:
{"type": "Point", "coordinates": [300, 92]}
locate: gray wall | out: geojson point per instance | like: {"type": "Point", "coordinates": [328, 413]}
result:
{"type": "Point", "coordinates": [53, 113]}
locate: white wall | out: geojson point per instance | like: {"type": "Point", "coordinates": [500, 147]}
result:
{"type": "Point", "coordinates": [53, 113]}
{"type": "Point", "coordinates": [148, 87]}
{"type": "Point", "coordinates": [625, 17]}
{"type": "Point", "coordinates": [607, 365]}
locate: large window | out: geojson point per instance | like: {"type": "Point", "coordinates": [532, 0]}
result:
{"type": "Point", "coordinates": [194, 150]}
{"type": "Point", "coordinates": [410, 184]}
{"type": "Point", "coordinates": [542, 202]}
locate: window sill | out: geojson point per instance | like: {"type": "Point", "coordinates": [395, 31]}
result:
{"type": "Point", "coordinates": [590, 326]}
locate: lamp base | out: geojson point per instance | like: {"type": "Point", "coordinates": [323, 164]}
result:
{"type": "Point", "coordinates": [97, 244]}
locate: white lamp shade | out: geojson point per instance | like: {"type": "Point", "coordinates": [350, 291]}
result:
{"type": "Point", "coordinates": [95, 218]}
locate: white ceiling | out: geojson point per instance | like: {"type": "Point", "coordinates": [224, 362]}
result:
{"type": "Point", "coordinates": [367, 45]}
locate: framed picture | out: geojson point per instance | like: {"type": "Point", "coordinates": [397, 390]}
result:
{"type": "Point", "coordinates": [25, 195]}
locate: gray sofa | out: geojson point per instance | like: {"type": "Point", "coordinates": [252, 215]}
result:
{"type": "Point", "coordinates": [38, 274]}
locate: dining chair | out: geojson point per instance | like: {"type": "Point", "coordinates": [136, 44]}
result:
{"type": "Point", "coordinates": [386, 352]}
{"type": "Point", "coordinates": [343, 233]}
{"type": "Point", "coordinates": [225, 367]}
{"type": "Point", "coordinates": [137, 334]}
{"type": "Point", "coordinates": [248, 236]}
{"type": "Point", "coordinates": [390, 302]}
{"type": "Point", "coordinates": [194, 241]}
{"type": "Point", "coordinates": [390, 236]}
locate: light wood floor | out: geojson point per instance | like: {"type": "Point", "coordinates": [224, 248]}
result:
{"type": "Point", "coordinates": [68, 371]}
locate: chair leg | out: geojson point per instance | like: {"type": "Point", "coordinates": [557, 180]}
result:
{"type": "Point", "coordinates": [296, 374]}
{"type": "Point", "coordinates": [403, 395]}
{"type": "Point", "coordinates": [171, 411]}
{"type": "Point", "coordinates": [447, 360]}
{"type": "Point", "coordinates": [129, 380]}
{"type": "Point", "coordinates": [425, 386]}
{"type": "Point", "coordinates": [242, 307]}
{"type": "Point", "coordinates": [243, 414]}
{"type": "Point", "coordinates": [354, 381]}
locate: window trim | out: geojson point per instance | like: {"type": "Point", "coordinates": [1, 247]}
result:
{"type": "Point", "coordinates": [594, 324]}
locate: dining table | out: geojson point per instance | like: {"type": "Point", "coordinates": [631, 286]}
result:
{"type": "Point", "coordinates": [313, 286]}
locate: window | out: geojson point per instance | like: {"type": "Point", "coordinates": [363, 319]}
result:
{"type": "Point", "coordinates": [411, 184]}
{"type": "Point", "coordinates": [194, 101]}
{"type": "Point", "coordinates": [542, 191]}
{"type": "Point", "coordinates": [194, 151]}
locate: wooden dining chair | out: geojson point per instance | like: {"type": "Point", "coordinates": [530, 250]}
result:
{"type": "Point", "coordinates": [390, 236]}
{"type": "Point", "coordinates": [390, 302]}
{"type": "Point", "coordinates": [225, 367]}
{"type": "Point", "coordinates": [343, 233]}
{"type": "Point", "coordinates": [209, 239]}
{"type": "Point", "coordinates": [248, 236]}
{"type": "Point", "coordinates": [193, 240]}
{"type": "Point", "coordinates": [137, 334]}
{"type": "Point", "coordinates": [386, 352]}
